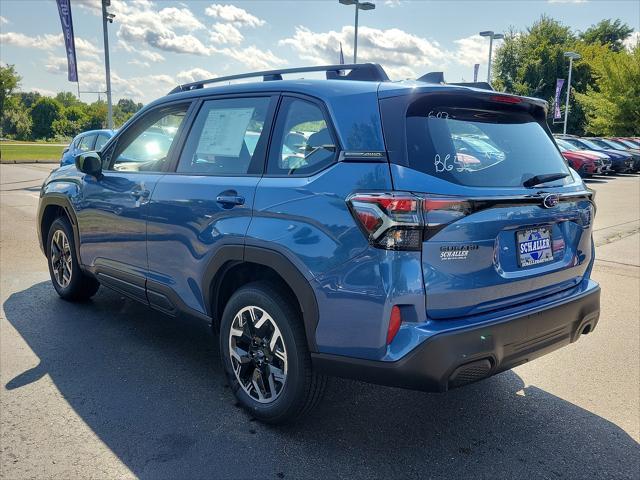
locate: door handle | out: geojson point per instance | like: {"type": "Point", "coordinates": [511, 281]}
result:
{"type": "Point", "coordinates": [230, 200]}
{"type": "Point", "coordinates": [140, 193]}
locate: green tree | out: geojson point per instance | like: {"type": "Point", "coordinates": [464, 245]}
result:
{"type": "Point", "coordinates": [16, 121]}
{"type": "Point", "coordinates": [43, 114]}
{"type": "Point", "coordinates": [72, 120]}
{"type": "Point", "coordinates": [28, 99]}
{"type": "Point", "coordinates": [9, 81]}
{"type": "Point", "coordinates": [96, 116]}
{"type": "Point", "coordinates": [608, 32]}
{"type": "Point", "coordinates": [123, 110]}
{"type": "Point", "coordinates": [611, 105]}
{"type": "Point", "coordinates": [529, 63]}
{"type": "Point", "coordinates": [67, 99]}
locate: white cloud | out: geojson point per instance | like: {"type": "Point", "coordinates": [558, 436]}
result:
{"type": "Point", "coordinates": [226, 33]}
{"type": "Point", "coordinates": [180, 18]}
{"type": "Point", "coordinates": [402, 54]}
{"type": "Point", "coordinates": [471, 50]}
{"type": "Point", "coordinates": [393, 3]}
{"type": "Point", "coordinates": [632, 40]}
{"type": "Point", "coordinates": [253, 58]}
{"type": "Point", "coordinates": [138, 63]}
{"type": "Point", "coordinates": [3, 20]}
{"type": "Point", "coordinates": [48, 42]}
{"type": "Point", "coordinates": [230, 13]}
{"type": "Point", "coordinates": [162, 39]}
{"type": "Point", "coordinates": [193, 75]}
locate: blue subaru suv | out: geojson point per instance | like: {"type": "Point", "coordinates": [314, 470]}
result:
{"type": "Point", "coordinates": [335, 227]}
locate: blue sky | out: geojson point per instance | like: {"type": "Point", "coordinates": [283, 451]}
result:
{"type": "Point", "coordinates": [157, 44]}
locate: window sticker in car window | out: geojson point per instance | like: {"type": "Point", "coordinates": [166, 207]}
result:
{"type": "Point", "coordinates": [224, 131]}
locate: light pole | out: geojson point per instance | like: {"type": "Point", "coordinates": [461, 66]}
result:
{"type": "Point", "coordinates": [572, 56]}
{"type": "Point", "coordinates": [107, 17]}
{"type": "Point", "coordinates": [492, 36]}
{"type": "Point", "coordinates": [359, 6]}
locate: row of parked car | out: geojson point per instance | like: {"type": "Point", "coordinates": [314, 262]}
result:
{"type": "Point", "coordinates": [595, 155]}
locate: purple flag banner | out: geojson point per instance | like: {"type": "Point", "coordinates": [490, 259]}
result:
{"type": "Point", "coordinates": [476, 67]}
{"type": "Point", "coordinates": [64, 9]}
{"type": "Point", "coordinates": [557, 113]}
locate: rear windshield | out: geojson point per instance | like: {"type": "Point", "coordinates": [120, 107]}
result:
{"type": "Point", "coordinates": [480, 148]}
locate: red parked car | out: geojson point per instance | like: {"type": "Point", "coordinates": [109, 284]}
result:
{"type": "Point", "coordinates": [584, 163]}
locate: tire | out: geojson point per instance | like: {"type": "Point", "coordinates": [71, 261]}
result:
{"type": "Point", "coordinates": [302, 388]}
{"type": "Point", "coordinates": [68, 279]}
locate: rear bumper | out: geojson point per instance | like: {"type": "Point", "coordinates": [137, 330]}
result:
{"type": "Point", "coordinates": [452, 359]}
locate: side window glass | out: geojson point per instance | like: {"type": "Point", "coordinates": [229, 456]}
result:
{"type": "Point", "coordinates": [100, 141]}
{"type": "Point", "coordinates": [86, 143]}
{"type": "Point", "coordinates": [146, 147]}
{"type": "Point", "coordinates": [224, 137]}
{"type": "Point", "coordinates": [303, 143]}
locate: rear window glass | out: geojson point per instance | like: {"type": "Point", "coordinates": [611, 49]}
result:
{"type": "Point", "coordinates": [480, 148]}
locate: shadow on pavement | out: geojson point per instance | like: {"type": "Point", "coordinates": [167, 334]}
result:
{"type": "Point", "coordinates": [151, 388]}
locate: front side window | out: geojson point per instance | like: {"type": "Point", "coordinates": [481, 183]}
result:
{"type": "Point", "coordinates": [86, 143]}
{"type": "Point", "coordinates": [225, 137]}
{"type": "Point", "coordinates": [145, 147]}
{"type": "Point", "coordinates": [479, 147]}
{"type": "Point", "coordinates": [303, 143]}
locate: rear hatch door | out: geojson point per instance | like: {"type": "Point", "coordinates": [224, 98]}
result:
{"type": "Point", "coordinates": [507, 221]}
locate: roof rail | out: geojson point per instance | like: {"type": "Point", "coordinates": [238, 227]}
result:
{"type": "Point", "coordinates": [371, 72]}
{"type": "Point", "coordinates": [438, 77]}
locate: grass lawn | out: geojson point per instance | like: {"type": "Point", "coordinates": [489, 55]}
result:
{"type": "Point", "coordinates": [25, 152]}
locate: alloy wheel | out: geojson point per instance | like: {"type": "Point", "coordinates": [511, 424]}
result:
{"type": "Point", "coordinates": [258, 354]}
{"type": "Point", "coordinates": [61, 259]}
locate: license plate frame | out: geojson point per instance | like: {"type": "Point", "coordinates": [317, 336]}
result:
{"type": "Point", "coordinates": [534, 246]}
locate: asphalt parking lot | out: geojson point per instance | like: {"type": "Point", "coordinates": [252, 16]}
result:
{"type": "Point", "coordinates": [110, 389]}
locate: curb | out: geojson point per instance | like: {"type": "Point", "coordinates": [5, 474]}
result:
{"type": "Point", "coordinates": [27, 162]}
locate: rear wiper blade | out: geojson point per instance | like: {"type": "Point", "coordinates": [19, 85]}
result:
{"type": "Point", "coordinates": [540, 179]}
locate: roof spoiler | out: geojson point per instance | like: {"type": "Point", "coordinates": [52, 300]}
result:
{"type": "Point", "coordinates": [438, 77]}
{"type": "Point", "coordinates": [370, 72]}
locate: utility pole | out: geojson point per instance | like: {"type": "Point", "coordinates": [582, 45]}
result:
{"type": "Point", "coordinates": [107, 17]}
{"type": "Point", "coordinates": [492, 36]}
{"type": "Point", "coordinates": [359, 6]}
{"type": "Point", "coordinates": [572, 56]}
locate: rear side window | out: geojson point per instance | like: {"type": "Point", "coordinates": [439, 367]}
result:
{"type": "Point", "coordinates": [101, 140]}
{"type": "Point", "coordinates": [479, 147]}
{"type": "Point", "coordinates": [303, 143]}
{"type": "Point", "coordinates": [224, 138]}
{"type": "Point", "coordinates": [86, 143]}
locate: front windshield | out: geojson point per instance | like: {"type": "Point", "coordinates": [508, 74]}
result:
{"type": "Point", "coordinates": [566, 145]}
{"type": "Point", "coordinates": [615, 144]}
{"type": "Point", "coordinates": [590, 144]}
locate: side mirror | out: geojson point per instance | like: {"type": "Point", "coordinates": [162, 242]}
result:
{"type": "Point", "coordinates": [89, 163]}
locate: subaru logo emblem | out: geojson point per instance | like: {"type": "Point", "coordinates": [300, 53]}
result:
{"type": "Point", "coordinates": [550, 200]}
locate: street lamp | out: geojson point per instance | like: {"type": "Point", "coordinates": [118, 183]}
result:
{"type": "Point", "coordinates": [107, 18]}
{"type": "Point", "coordinates": [571, 56]}
{"type": "Point", "coordinates": [359, 6]}
{"type": "Point", "coordinates": [492, 36]}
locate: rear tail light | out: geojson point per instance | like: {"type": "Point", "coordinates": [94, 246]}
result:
{"type": "Point", "coordinates": [441, 211]}
{"type": "Point", "coordinates": [402, 220]}
{"type": "Point", "coordinates": [392, 221]}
